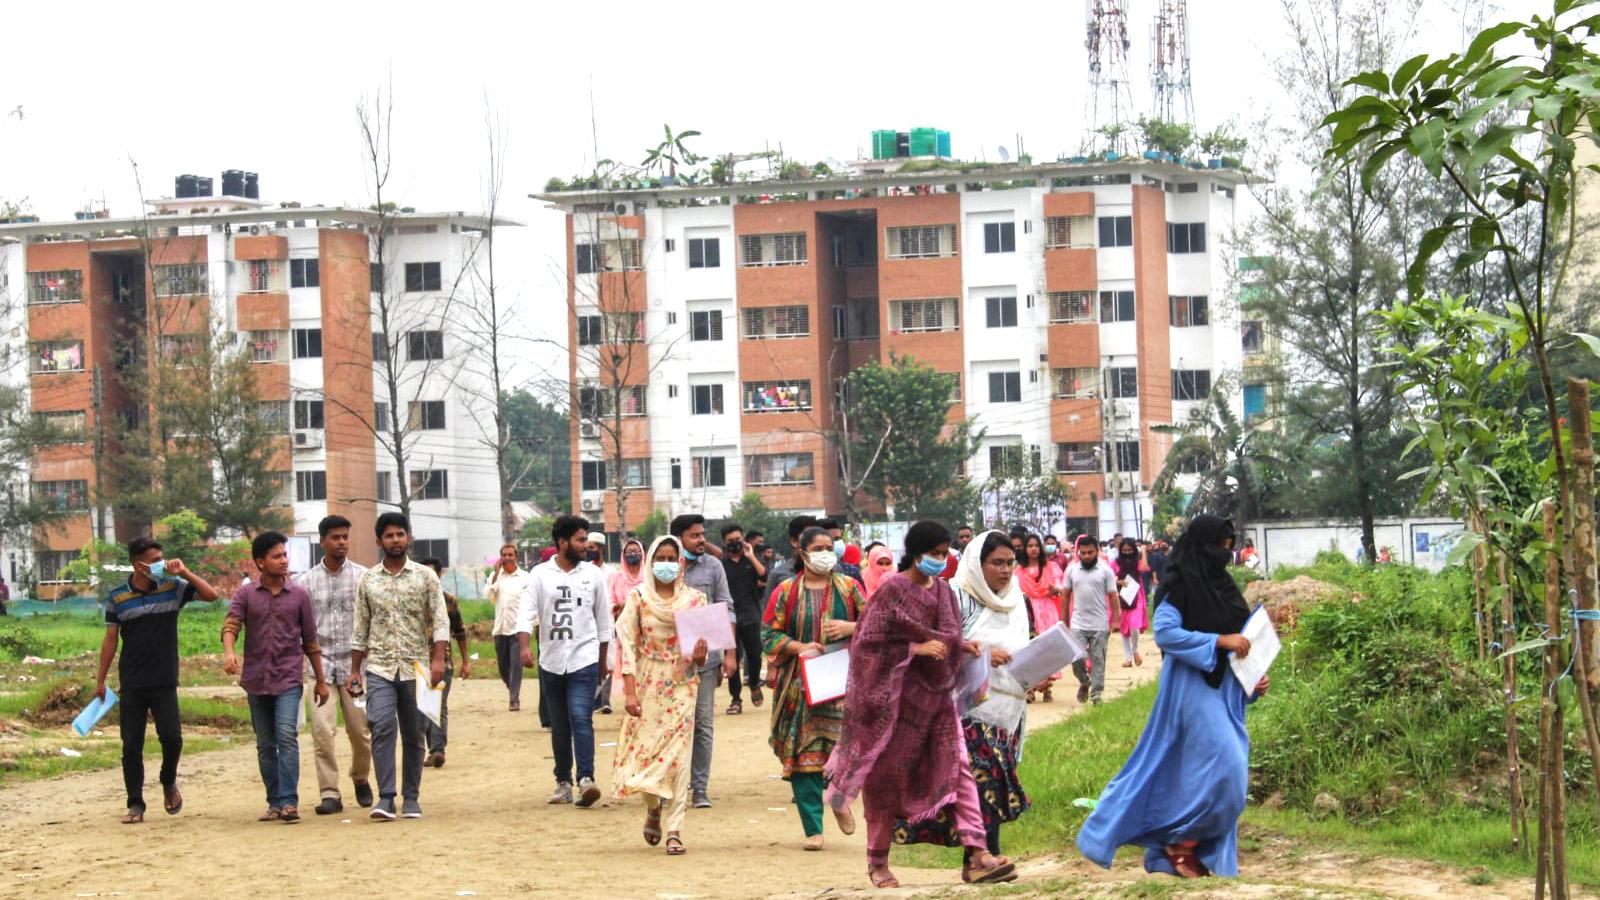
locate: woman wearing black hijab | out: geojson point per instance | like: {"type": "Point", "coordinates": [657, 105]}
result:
{"type": "Point", "coordinates": [1182, 791]}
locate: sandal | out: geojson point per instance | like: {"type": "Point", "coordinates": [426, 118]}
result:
{"type": "Point", "coordinates": [1002, 870]}
{"type": "Point", "coordinates": [735, 708]}
{"type": "Point", "coordinates": [271, 815]}
{"type": "Point", "coordinates": [652, 826]}
{"type": "Point", "coordinates": [884, 879]}
{"type": "Point", "coordinates": [1030, 695]}
{"type": "Point", "coordinates": [1127, 664]}
{"type": "Point", "coordinates": [1184, 863]}
{"type": "Point", "coordinates": [755, 695]}
{"type": "Point", "coordinates": [1047, 697]}
{"type": "Point", "coordinates": [675, 845]}
{"type": "Point", "coordinates": [174, 801]}
{"type": "Point", "coordinates": [1138, 660]}
{"type": "Point", "coordinates": [134, 817]}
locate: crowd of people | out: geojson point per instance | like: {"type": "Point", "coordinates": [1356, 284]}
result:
{"type": "Point", "coordinates": [930, 765]}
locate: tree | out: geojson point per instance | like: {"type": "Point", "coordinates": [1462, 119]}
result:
{"type": "Point", "coordinates": [752, 514]}
{"type": "Point", "coordinates": [671, 153]}
{"type": "Point", "coordinates": [538, 450]}
{"type": "Point", "coordinates": [1037, 502]}
{"type": "Point", "coordinates": [1229, 459]}
{"type": "Point", "coordinates": [918, 471]}
{"type": "Point", "coordinates": [653, 526]}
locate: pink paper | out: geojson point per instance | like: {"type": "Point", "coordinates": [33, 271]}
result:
{"type": "Point", "coordinates": [710, 622]}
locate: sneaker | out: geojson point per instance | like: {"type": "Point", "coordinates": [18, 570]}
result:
{"type": "Point", "coordinates": [363, 794]}
{"type": "Point", "coordinates": [588, 792]}
{"type": "Point", "coordinates": [562, 794]}
{"type": "Point", "coordinates": [383, 811]}
{"type": "Point", "coordinates": [1083, 693]}
{"type": "Point", "coordinates": [701, 801]}
{"type": "Point", "coordinates": [411, 809]}
{"type": "Point", "coordinates": [329, 806]}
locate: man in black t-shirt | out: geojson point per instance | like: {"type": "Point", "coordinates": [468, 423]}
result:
{"type": "Point", "coordinates": [143, 614]}
{"type": "Point", "coordinates": [745, 574]}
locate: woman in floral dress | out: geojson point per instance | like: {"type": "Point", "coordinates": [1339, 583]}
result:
{"type": "Point", "coordinates": [659, 684]}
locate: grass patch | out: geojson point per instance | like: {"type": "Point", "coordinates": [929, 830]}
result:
{"type": "Point", "coordinates": [45, 759]}
{"type": "Point", "coordinates": [65, 635]}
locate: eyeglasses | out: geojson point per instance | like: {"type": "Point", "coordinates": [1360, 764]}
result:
{"type": "Point", "coordinates": [1003, 563]}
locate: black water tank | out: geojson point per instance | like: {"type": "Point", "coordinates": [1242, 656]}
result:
{"type": "Point", "coordinates": [202, 186]}
{"type": "Point", "coordinates": [185, 186]}
{"type": "Point", "coordinates": [233, 183]}
{"type": "Point", "coordinates": [252, 186]}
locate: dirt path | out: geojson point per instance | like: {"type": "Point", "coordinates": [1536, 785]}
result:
{"type": "Point", "coordinates": [488, 833]}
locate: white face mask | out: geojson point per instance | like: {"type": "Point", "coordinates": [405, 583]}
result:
{"type": "Point", "coordinates": [821, 562]}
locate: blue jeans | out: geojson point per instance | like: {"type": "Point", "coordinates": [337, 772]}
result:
{"type": "Point", "coordinates": [571, 698]}
{"type": "Point", "coordinates": [275, 718]}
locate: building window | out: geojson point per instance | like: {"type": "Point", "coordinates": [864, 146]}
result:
{"type": "Point", "coordinates": [593, 475]}
{"type": "Point", "coordinates": [635, 473]}
{"type": "Point", "coordinates": [863, 324]}
{"type": "Point", "coordinates": [49, 565]}
{"type": "Point", "coordinates": [705, 399]}
{"type": "Point", "coordinates": [62, 286]}
{"type": "Point", "coordinates": [64, 427]}
{"type": "Point", "coordinates": [921, 241]}
{"type": "Point", "coordinates": [1186, 237]}
{"type": "Point", "coordinates": [1122, 383]}
{"type": "Point", "coordinates": [675, 472]}
{"type": "Point", "coordinates": [776, 396]}
{"type": "Point", "coordinates": [1071, 307]}
{"type": "Point", "coordinates": [180, 349]}
{"type": "Point", "coordinates": [1188, 312]}
{"type": "Point", "coordinates": [311, 485]}
{"type": "Point", "coordinates": [268, 346]}
{"type": "Point", "coordinates": [380, 416]}
{"type": "Point", "coordinates": [424, 345]}
{"type": "Point", "coordinates": [767, 469]}
{"type": "Point", "coordinates": [273, 414]}
{"type": "Point", "coordinates": [672, 318]}
{"type": "Point", "coordinates": [1001, 312]}
{"type": "Point", "coordinates": [1127, 455]}
{"type": "Point", "coordinates": [380, 346]}
{"type": "Point", "coordinates": [999, 237]}
{"type": "Point", "coordinates": [375, 277]}
{"type": "Point", "coordinates": [1082, 383]}
{"type": "Point", "coordinates": [710, 471]}
{"type": "Point", "coordinates": [705, 325]}
{"type": "Point", "coordinates": [1191, 384]}
{"type": "Point", "coordinates": [1116, 231]}
{"type": "Point", "coordinates": [770, 322]}
{"type": "Point", "coordinates": [431, 548]}
{"type": "Point", "coordinates": [623, 328]}
{"type": "Point", "coordinates": [385, 487]}
{"type": "Point", "coordinates": [263, 275]}
{"type": "Point", "coordinates": [596, 402]}
{"type": "Point", "coordinates": [49, 357]}
{"type": "Point", "coordinates": [1077, 458]}
{"type": "Point", "coordinates": [308, 414]}
{"type": "Point", "coordinates": [672, 245]}
{"type": "Point", "coordinates": [586, 258]}
{"type": "Point", "coordinates": [1076, 232]}
{"type": "Point", "coordinates": [1116, 306]}
{"type": "Point", "coordinates": [625, 254]}
{"type": "Point", "coordinates": [307, 343]}
{"type": "Point", "coordinates": [179, 281]}
{"type": "Point", "coordinates": [705, 253]}
{"type": "Point", "coordinates": [841, 322]}
{"type": "Point", "coordinates": [430, 484]}
{"type": "Point", "coordinates": [1255, 401]}
{"type": "Point", "coordinates": [773, 249]}
{"type": "Point", "coordinates": [425, 415]}
{"type": "Point", "coordinates": [423, 276]}
{"type": "Point", "coordinates": [62, 494]}
{"type": "Point", "coordinates": [938, 314]}
{"type": "Point", "coordinates": [303, 273]}
{"type": "Point", "coordinates": [1005, 387]}
{"type": "Point", "coordinates": [1252, 337]}
{"type": "Point", "coordinates": [588, 331]}
{"type": "Point", "coordinates": [1007, 460]}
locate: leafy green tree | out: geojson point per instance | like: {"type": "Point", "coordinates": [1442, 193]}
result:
{"type": "Point", "coordinates": [671, 153]}
{"type": "Point", "coordinates": [1037, 502]}
{"type": "Point", "coordinates": [653, 526]}
{"type": "Point", "coordinates": [903, 409]}
{"type": "Point", "coordinates": [753, 514]}
{"type": "Point", "coordinates": [539, 451]}
{"type": "Point", "coordinates": [1229, 459]}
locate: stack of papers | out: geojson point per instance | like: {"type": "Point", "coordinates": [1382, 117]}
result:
{"type": "Point", "coordinates": [1264, 647]}
{"type": "Point", "coordinates": [1053, 650]}
{"type": "Point", "coordinates": [710, 622]}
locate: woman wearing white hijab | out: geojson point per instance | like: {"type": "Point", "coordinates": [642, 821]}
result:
{"type": "Point", "coordinates": [660, 684]}
{"type": "Point", "coordinates": [994, 614]}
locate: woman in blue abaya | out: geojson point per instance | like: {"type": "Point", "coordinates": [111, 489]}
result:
{"type": "Point", "coordinates": [1182, 791]}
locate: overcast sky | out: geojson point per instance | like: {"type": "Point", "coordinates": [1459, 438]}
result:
{"type": "Point", "coordinates": [202, 87]}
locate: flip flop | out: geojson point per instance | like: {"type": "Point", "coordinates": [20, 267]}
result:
{"type": "Point", "coordinates": [886, 880]}
{"type": "Point", "coordinates": [173, 808]}
{"type": "Point", "coordinates": [1005, 871]}
{"type": "Point", "coordinates": [1185, 862]}
{"type": "Point", "coordinates": [133, 818]}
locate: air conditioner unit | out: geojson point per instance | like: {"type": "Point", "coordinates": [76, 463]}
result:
{"type": "Point", "coordinates": [255, 229]}
{"type": "Point", "coordinates": [590, 504]}
{"type": "Point", "coordinates": [589, 429]}
{"type": "Point", "coordinates": [622, 209]}
{"type": "Point", "coordinates": [1125, 483]}
{"type": "Point", "coordinates": [307, 438]}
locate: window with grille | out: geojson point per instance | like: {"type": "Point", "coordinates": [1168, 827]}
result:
{"type": "Point", "coordinates": [1123, 382]}
{"type": "Point", "coordinates": [47, 357]}
{"type": "Point", "coordinates": [179, 281]}
{"type": "Point", "coordinates": [1001, 312]}
{"type": "Point", "coordinates": [303, 273]}
{"type": "Point", "coordinates": [1081, 383]}
{"type": "Point", "coordinates": [1127, 455]}
{"type": "Point", "coordinates": [430, 484]}
{"type": "Point", "coordinates": [764, 469]}
{"type": "Point", "coordinates": [1116, 306]}
{"type": "Point", "coordinates": [268, 346]}
{"type": "Point", "coordinates": [307, 343]}
{"type": "Point", "coordinates": [423, 276]}
{"type": "Point", "coordinates": [710, 471]}
{"type": "Point", "coordinates": [1071, 307]}
{"type": "Point", "coordinates": [705, 253]}
{"type": "Point", "coordinates": [705, 399]}
{"type": "Point", "coordinates": [273, 414]}
{"type": "Point", "coordinates": [625, 255]}
{"type": "Point", "coordinates": [424, 345]}
{"type": "Point", "coordinates": [770, 322]}
{"type": "Point", "coordinates": [1187, 312]}
{"type": "Point", "coordinates": [1191, 384]}
{"type": "Point", "coordinates": [938, 314]}
{"type": "Point", "coordinates": [596, 402]}
{"type": "Point", "coordinates": [999, 237]}
{"type": "Point", "coordinates": [1005, 387]}
{"type": "Point", "coordinates": [311, 485]}
{"type": "Point", "coordinates": [1116, 231]}
{"type": "Point", "coordinates": [623, 328]}
{"type": "Point", "coordinates": [1077, 232]}
{"type": "Point", "coordinates": [788, 249]}
{"type": "Point", "coordinates": [308, 414]}
{"type": "Point", "coordinates": [50, 565]}
{"type": "Point", "coordinates": [588, 331]}
{"type": "Point", "coordinates": [62, 286]}
{"type": "Point", "coordinates": [1186, 237]}
{"type": "Point", "coordinates": [431, 548]}
{"type": "Point", "coordinates": [62, 427]}
{"type": "Point", "coordinates": [1007, 460]}
{"type": "Point", "coordinates": [1252, 337]}
{"type": "Point", "coordinates": [62, 494]}
{"type": "Point", "coordinates": [262, 275]}
{"type": "Point", "coordinates": [1077, 458]}
{"type": "Point", "coordinates": [921, 241]}
{"type": "Point", "coordinates": [705, 325]}
{"type": "Point", "coordinates": [776, 396]}
{"type": "Point", "coordinates": [425, 415]}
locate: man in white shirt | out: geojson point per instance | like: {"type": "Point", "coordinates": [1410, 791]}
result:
{"type": "Point", "coordinates": [567, 597]}
{"type": "Point", "coordinates": [332, 585]}
{"type": "Point", "coordinates": [505, 589]}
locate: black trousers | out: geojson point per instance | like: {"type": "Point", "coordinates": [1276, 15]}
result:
{"type": "Point", "coordinates": [748, 639]}
{"type": "Point", "coordinates": [137, 706]}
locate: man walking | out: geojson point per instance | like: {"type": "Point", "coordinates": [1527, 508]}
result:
{"type": "Point", "coordinates": [439, 735]}
{"type": "Point", "coordinates": [708, 577]}
{"type": "Point", "coordinates": [332, 585]}
{"type": "Point", "coordinates": [142, 613]}
{"type": "Point", "coordinates": [401, 623]}
{"type": "Point", "coordinates": [1090, 589]}
{"type": "Point", "coordinates": [567, 597]}
{"type": "Point", "coordinates": [744, 575]}
{"type": "Point", "coordinates": [506, 587]}
{"type": "Point", "coordinates": [279, 625]}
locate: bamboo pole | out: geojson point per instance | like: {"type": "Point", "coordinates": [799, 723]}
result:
{"type": "Point", "coordinates": [1480, 589]}
{"type": "Point", "coordinates": [1583, 556]}
{"type": "Point", "coordinates": [1519, 817]}
{"type": "Point", "coordinates": [1552, 855]}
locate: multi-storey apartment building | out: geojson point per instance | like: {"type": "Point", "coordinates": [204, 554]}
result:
{"type": "Point", "coordinates": [300, 288]}
{"type": "Point", "coordinates": [1075, 305]}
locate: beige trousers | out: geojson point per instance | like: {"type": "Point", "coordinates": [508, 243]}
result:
{"type": "Point", "coordinates": [323, 726]}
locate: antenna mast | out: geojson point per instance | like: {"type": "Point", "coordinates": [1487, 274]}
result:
{"type": "Point", "coordinates": [1170, 88]}
{"type": "Point", "coordinates": [1110, 93]}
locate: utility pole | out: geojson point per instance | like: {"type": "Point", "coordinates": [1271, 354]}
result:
{"type": "Point", "coordinates": [1114, 446]}
{"type": "Point", "coordinates": [98, 402]}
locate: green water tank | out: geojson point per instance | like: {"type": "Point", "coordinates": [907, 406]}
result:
{"type": "Point", "coordinates": [883, 144]}
{"type": "Point", "coordinates": [924, 142]}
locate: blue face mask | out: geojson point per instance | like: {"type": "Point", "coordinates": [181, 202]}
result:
{"type": "Point", "coordinates": [158, 569]}
{"type": "Point", "coordinates": [690, 555]}
{"type": "Point", "coordinates": [665, 572]}
{"type": "Point", "coordinates": [1049, 549]}
{"type": "Point", "coordinates": [930, 565]}
{"type": "Point", "coordinates": [838, 547]}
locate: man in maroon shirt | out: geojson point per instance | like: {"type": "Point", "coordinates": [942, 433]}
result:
{"type": "Point", "coordinates": [279, 626]}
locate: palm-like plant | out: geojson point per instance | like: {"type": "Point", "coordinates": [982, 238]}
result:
{"type": "Point", "coordinates": [671, 153]}
{"type": "Point", "coordinates": [1229, 457]}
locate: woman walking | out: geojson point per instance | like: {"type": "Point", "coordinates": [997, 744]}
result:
{"type": "Point", "coordinates": [901, 748]}
{"type": "Point", "coordinates": [806, 613]}
{"type": "Point", "coordinates": [994, 614]}
{"type": "Point", "coordinates": [1182, 791]}
{"type": "Point", "coordinates": [1037, 578]}
{"type": "Point", "coordinates": [880, 565]}
{"type": "Point", "coordinates": [1130, 565]}
{"type": "Point", "coordinates": [659, 686]}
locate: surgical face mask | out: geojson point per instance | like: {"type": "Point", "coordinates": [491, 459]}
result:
{"type": "Point", "coordinates": [158, 568]}
{"type": "Point", "coordinates": [1049, 549]}
{"type": "Point", "coordinates": [690, 555]}
{"type": "Point", "coordinates": [930, 565]}
{"type": "Point", "coordinates": [838, 547]}
{"type": "Point", "coordinates": [821, 562]}
{"type": "Point", "coordinates": [665, 572]}
{"type": "Point", "coordinates": [633, 559]}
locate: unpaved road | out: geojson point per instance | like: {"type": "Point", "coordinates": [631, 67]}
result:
{"type": "Point", "coordinates": [487, 831]}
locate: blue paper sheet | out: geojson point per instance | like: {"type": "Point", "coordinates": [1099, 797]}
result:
{"type": "Point", "coordinates": [94, 712]}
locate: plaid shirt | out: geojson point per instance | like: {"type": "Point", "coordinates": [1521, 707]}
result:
{"type": "Point", "coordinates": [398, 618]}
{"type": "Point", "coordinates": [333, 601]}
